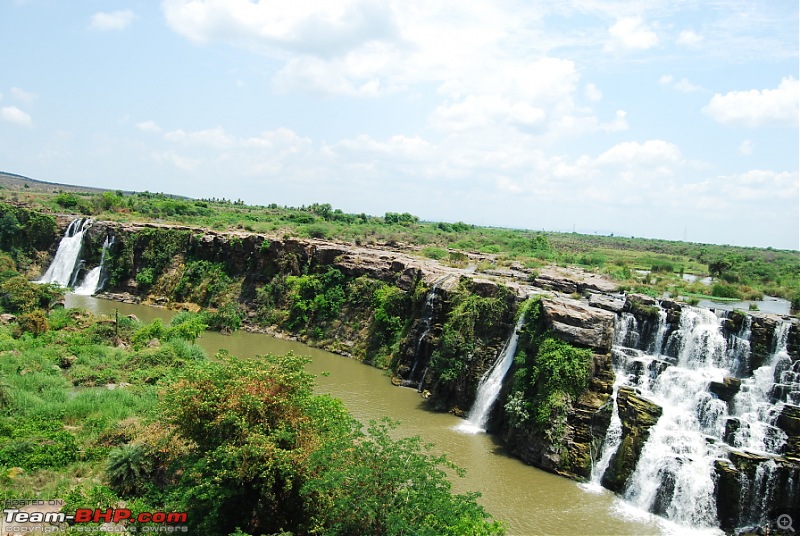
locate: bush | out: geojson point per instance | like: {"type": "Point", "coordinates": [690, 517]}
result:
{"type": "Point", "coordinates": [67, 200]}
{"type": "Point", "coordinates": [129, 469]}
{"type": "Point", "coordinates": [34, 323]}
{"type": "Point", "coordinates": [226, 319]}
{"type": "Point", "coordinates": [434, 252]}
{"type": "Point", "coordinates": [723, 290]}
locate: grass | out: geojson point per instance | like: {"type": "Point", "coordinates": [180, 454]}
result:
{"type": "Point", "coordinates": [750, 270]}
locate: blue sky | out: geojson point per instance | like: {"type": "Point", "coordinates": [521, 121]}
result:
{"type": "Point", "coordinates": [659, 118]}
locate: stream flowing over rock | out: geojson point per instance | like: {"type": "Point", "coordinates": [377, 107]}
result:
{"type": "Point", "coordinates": [688, 413]}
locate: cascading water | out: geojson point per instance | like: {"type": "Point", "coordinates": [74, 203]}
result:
{"type": "Point", "coordinates": [92, 282]}
{"type": "Point", "coordinates": [490, 385]}
{"type": "Point", "coordinates": [753, 406]}
{"type": "Point", "coordinates": [427, 322]}
{"type": "Point", "coordinates": [675, 473]}
{"type": "Point", "coordinates": [64, 268]}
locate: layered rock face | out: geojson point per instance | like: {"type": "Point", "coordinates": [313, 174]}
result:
{"type": "Point", "coordinates": [451, 324]}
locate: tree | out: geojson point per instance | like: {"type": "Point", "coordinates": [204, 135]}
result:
{"type": "Point", "coordinates": [719, 265]}
{"type": "Point", "coordinates": [253, 424]}
{"type": "Point", "coordinates": [262, 453]}
{"type": "Point", "coordinates": [373, 484]}
{"type": "Point", "coordinates": [129, 469]}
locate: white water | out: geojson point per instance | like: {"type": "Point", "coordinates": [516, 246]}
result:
{"type": "Point", "coordinates": [63, 268]}
{"type": "Point", "coordinates": [490, 385]}
{"type": "Point", "coordinates": [91, 282]}
{"type": "Point", "coordinates": [753, 405]}
{"type": "Point", "coordinates": [674, 476]}
{"type": "Point", "coordinates": [427, 321]}
{"type": "Point", "coordinates": [612, 440]}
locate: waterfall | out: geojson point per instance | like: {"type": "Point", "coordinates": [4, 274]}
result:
{"type": "Point", "coordinates": [753, 405]}
{"type": "Point", "coordinates": [92, 282]}
{"type": "Point", "coordinates": [675, 476]}
{"type": "Point", "coordinates": [613, 434]}
{"type": "Point", "coordinates": [427, 321]}
{"type": "Point", "coordinates": [64, 268]}
{"type": "Point", "coordinates": [490, 385]}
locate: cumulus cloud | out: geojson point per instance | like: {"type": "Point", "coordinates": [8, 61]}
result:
{"type": "Point", "coordinates": [213, 137]}
{"type": "Point", "coordinates": [689, 38]}
{"type": "Point", "coordinates": [148, 126]}
{"type": "Point", "coordinates": [593, 93]}
{"type": "Point", "coordinates": [22, 95]}
{"type": "Point", "coordinates": [12, 114]}
{"type": "Point", "coordinates": [115, 20]}
{"type": "Point", "coordinates": [484, 110]}
{"type": "Point", "coordinates": [756, 108]}
{"type": "Point", "coordinates": [323, 29]}
{"type": "Point", "coordinates": [180, 162]}
{"type": "Point", "coordinates": [683, 85]}
{"type": "Point", "coordinates": [632, 33]}
{"type": "Point", "coordinates": [649, 152]}
{"type": "Point", "coordinates": [761, 185]}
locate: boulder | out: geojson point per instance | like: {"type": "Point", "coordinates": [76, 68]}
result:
{"type": "Point", "coordinates": [579, 324]}
{"type": "Point", "coordinates": [638, 415]}
{"type": "Point", "coordinates": [789, 419]}
{"type": "Point", "coordinates": [604, 301]}
{"type": "Point", "coordinates": [728, 493]}
{"type": "Point", "coordinates": [726, 389]}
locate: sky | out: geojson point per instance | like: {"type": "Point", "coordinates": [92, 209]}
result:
{"type": "Point", "coordinates": [674, 119]}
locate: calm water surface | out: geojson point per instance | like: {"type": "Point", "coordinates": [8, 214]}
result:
{"type": "Point", "coordinates": [528, 500]}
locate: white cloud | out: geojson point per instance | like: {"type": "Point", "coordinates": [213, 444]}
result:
{"type": "Point", "coordinates": [182, 163]}
{"type": "Point", "coordinates": [746, 147]}
{"type": "Point", "coordinates": [632, 33]}
{"type": "Point", "coordinates": [282, 139]}
{"type": "Point", "coordinates": [22, 95]}
{"type": "Point", "coordinates": [12, 114]}
{"type": "Point", "coordinates": [148, 126]}
{"type": "Point", "coordinates": [319, 28]}
{"type": "Point", "coordinates": [689, 38]}
{"type": "Point", "coordinates": [477, 111]}
{"type": "Point", "coordinates": [683, 85]}
{"type": "Point", "coordinates": [755, 108]}
{"type": "Point", "coordinates": [116, 20]}
{"type": "Point", "coordinates": [761, 185]}
{"type": "Point", "coordinates": [649, 152]}
{"type": "Point", "coordinates": [593, 93]}
{"type": "Point", "coordinates": [212, 137]}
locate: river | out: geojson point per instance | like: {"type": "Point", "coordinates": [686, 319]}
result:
{"type": "Point", "coordinates": [528, 500]}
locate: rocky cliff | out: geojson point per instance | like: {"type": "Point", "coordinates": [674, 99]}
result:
{"type": "Point", "coordinates": [439, 329]}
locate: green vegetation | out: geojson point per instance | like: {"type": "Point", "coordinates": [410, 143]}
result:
{"type": "Point", "coordinates": [103, 412]}
{"type": "Point", "coordinates": [550, 375]}
{"type": "Point", "coordinates": [474, 323]}
{"type": "Point", "coordinates": [749, 272]}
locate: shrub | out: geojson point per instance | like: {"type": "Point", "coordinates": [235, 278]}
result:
{"type": "Point", "coordinates": [434, 252]}
{"type": "Point", "coordinates": [226, 319]}
{"type": "Point", "coordinates": [129, 469]}
{"type": "Point", "coordinates": [34, 323]}
{"type": "Point", "coordinates": [723, 290]}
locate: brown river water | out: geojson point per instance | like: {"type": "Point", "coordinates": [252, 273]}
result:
{"type": "Point", "coordinates": [528, 500]}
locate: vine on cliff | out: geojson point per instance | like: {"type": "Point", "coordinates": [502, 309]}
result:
{"type": "Point", "coordinates": [472, 321]}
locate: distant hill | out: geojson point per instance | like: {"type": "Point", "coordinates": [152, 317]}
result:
{"type": "Point", "coordinates": [15, 182]}
{"type": "Point", "coordinates": [12, 181]}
